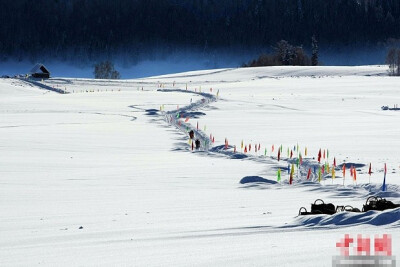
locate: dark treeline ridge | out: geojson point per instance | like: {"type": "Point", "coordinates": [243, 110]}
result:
{"type": "Point", "coordinates": [92, 27]}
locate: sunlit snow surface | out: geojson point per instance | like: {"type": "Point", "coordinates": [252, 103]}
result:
{"type": "Point", "coordinates": [101, 177]}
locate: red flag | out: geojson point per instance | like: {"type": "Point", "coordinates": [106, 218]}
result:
{"type": "Point", "coordinates": [334, 162]}
{"type": "Point", "coordinates": [279, 154]}
{"type": "Point", "coordinates": [187, 119]}
{"type": "Point", "coordinates": [245, 149]}
{"type": "Point", "coordinates": [273, 148]}
{"type": "Point", "coordinates": [249, 147]}
{"type": "Point", "coordinates": [354, 174]}
{"type": "Point", "coordinates": [369, 171]}
{"type": "Point", "coordinates": [234, 149]}
{"type": "Point", "coordinates": [213, 139]}
{"type": "Point", "coordinates": [309, 174]}
{"type": "Point", "coordinates": [291, 153]}
{"type": "Point", "coordinates": [259, 146]}
{"type": "Point", "coordinates": [323, 169]}
{"type": "Point", "coordinates": [385, 169]}
{"type": "Point", "coordinates": [344, 170]}
{"type": "Point", "coordinates": [319, 155]}
{"type": "Point", "coordinates": [291, 178]}
{"type": "Point", "coordinates": [324, 153]}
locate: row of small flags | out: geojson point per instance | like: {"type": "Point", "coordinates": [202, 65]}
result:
{"type": "Point", "coordinates": [322, 154]}
{"type": "Point", "coordinates": [322, 170]}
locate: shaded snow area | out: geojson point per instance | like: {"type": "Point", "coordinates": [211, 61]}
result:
{"type": "Point", "coordinates": [105, 174]}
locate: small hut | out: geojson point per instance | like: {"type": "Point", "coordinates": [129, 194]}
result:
{"type": "Point", "coordinates": [40, 71]}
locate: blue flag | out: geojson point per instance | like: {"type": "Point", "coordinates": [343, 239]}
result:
{"type": "Point", "coordinates": [384, 179]}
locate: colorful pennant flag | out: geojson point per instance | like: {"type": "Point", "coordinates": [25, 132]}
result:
{"type": "Point", "coordinates": [319, 175]}
{"type": "Point", "coordinates": [319, 156]}
{"type": "Point", "coordinates": [291, 174]}
{"type": "Point", "coordinates": [344, 172]}
{"type": "Point", "coordinates": [384, 180]}
{"type": "Point", "coordinates": [369, 172]}
{"type": "Point", "coordinates": [355, 174]}
{"type": "Point", "coordinates": [279, 175]}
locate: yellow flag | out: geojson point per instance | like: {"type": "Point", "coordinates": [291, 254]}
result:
{"type": "Point", "coordinates": [333, 173]}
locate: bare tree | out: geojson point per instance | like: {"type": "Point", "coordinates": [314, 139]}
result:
{"type": "Point", "coordinates": [393, 60]}
{"type": "Point", "coordinates": [314, 47]}
{"type": "Point", "coordinates": [105, 70]}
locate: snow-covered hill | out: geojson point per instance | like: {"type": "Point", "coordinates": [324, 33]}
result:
{"type": "Point", "coordinates": [105, 174]}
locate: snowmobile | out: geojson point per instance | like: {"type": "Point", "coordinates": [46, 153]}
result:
{"type": "Point", "coordinates": [378, 203]}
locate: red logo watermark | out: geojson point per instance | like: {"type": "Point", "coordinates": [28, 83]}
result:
{"type": "Point", "coordinates": [361, 251]}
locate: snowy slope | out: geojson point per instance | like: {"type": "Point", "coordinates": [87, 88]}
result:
{"type": "Point", "coordinates": [105, 159]}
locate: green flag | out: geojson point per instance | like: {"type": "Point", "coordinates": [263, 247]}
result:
{"type": "Point", "coordinates": [279, 175]}
{"type": "Point", "coordinates": [319, 174]}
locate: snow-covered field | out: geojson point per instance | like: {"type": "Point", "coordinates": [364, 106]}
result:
{"type": "Point", "coordinates": [105, 175]}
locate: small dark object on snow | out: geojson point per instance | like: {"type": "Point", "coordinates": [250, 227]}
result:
{"type": "Point", "coordinates": [320, 208]}
{"type": "Point", "coordinates": [347, 208]}
{"type": "Point", "coordinates": [373, 203]}
{"type": "Point", "coordinates": [191, 134]}
{"type": "Point", "coordinates": [197, 143]}
{"type": "Point", "coordinates": [378, 203]}
{"type": "Point", "coordinates": [81, 227]}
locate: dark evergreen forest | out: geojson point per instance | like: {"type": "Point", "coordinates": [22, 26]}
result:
{"type": "Point", "coordinates": [102, 27]}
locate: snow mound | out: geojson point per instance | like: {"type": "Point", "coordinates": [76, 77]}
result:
{"type": "Point", "coordinates": [376, 218]}
{"type": "Point", "coordinates": [256, 179]}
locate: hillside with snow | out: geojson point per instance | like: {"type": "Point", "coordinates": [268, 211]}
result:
{"type": "Point", "coordinates": [105, 174]}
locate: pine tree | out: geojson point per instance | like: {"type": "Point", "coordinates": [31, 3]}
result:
{"type": "Point", "coordinates": [314, 47]}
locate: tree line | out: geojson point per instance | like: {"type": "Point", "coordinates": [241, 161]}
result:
{"type": "Point", "coordinates": [89, 28]}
